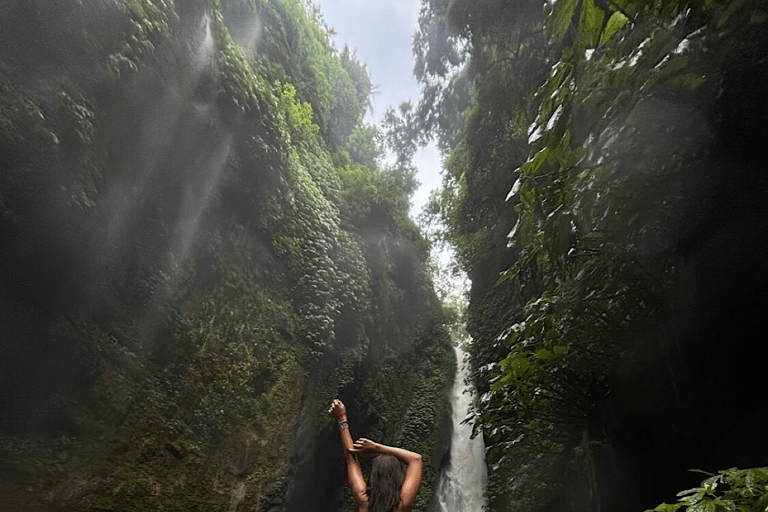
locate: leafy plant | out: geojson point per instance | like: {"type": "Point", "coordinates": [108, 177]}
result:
{"type": "Point", "coordinates": [730, 490]}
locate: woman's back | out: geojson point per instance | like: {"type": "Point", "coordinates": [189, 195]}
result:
{"type": "Point", "coordinates": [390, 488]}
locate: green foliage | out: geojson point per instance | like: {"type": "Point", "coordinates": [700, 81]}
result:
{"type": "Point", "coordinates": [565, 230]}
{"type": "Point", "coordinates": [401, 130]}
{"type": "Point", "coordinates": [239, 85]}
{"type": "Point", "coordinates": [360, 190]}
{"type": "Point", "coordinates": [743, 490]}
{"type": "Point", "coordinates": [426, 410]}
{"type": "Point", "coordinates": [45, 136]}
{"type": "Point", "coordinates": [310, 238]}
{"type": "Point", "coordinates": [586, 123]}
{"type": "Point", "coordinates": [365, 146]}
{"type": "Point", "coordinates": [148, 22]}
{"type": "Point", "coordinates": [295, 47]}
{"type": "Point", "coordinates": [298, 114]}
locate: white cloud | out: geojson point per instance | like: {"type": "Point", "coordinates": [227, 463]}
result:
{"type": "Point", "coordinates": [429, 164]}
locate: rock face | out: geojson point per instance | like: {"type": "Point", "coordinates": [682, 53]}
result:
{"type": "Point", "coordinates": [193, 266]}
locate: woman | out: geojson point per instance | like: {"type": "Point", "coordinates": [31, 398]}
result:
{"type": "Point", "coordinates": [389, 487]}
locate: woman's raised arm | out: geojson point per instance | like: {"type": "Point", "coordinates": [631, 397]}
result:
{"type": "Point", "coordinates": [338, 412]}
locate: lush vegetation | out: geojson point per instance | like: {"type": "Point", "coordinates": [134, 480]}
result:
{"type": "Point", "coordinates": [730, 489]}
{"type": "Point", "coordinates": [605, 163]}
{"type": "Point", "coordinates": [201, 248]}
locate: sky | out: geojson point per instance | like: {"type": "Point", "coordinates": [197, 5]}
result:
{"type": "Point", "coordinates": [381, 31]}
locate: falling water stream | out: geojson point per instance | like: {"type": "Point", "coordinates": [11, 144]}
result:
{"type": "Point", "coordinates": [462, 483]}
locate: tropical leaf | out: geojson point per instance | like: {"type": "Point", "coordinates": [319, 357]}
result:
{"type": "Point", "coordinates": [561, 17]}
{"type": "Point", "coordinates": [614, 24]}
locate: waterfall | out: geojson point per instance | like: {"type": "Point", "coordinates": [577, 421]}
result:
{"type": "Point", "coordinates": [462, 483]}
{"type": "Point", "coordinates": [203, 54]}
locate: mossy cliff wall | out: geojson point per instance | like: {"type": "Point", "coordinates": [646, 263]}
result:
{"type": "Point", "coordinates": [193, 266]}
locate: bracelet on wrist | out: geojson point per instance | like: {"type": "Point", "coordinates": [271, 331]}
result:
{"type": "Point", "coordinates": [343, 425]}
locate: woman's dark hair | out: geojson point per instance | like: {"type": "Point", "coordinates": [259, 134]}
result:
{"type": "Point", "coordinates": [384, 483]}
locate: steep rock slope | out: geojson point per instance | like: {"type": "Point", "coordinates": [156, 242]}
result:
{"type": "Point", "coordinates": [193, 265]}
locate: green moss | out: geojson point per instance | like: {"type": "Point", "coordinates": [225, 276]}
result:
{"type": "Point", "coordinates": [205, 424]}
{"type": "Point", "coordinates": [148, 22]}
{"type": "Point", "coordinates": [239, 86]}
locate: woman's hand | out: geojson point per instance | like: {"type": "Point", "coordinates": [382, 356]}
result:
{"type": "Point", "coordinates": [365, 446]}
{"type": "Point", "coordinates": [337, 411]}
